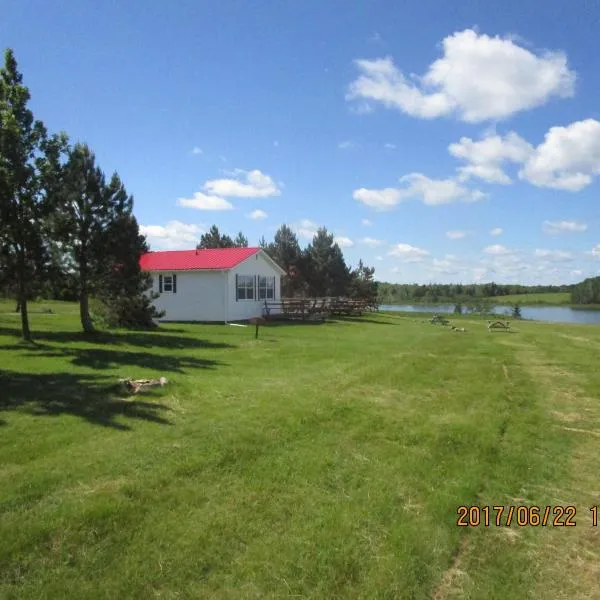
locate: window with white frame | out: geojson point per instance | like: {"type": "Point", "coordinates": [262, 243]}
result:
{"type": "Point", "coordinates": [245, 287]}
{"type": "Point", "coordinates": [266, 288]}
{"type": "Point", "coordinates": [167, 283]}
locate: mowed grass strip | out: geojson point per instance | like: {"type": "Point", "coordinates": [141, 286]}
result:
{"type": "Point", "coordinates": [319, 461]}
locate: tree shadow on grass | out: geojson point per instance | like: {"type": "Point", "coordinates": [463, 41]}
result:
{"type": "Point", "coordinates": [89, 397]}
{"type": "Point", "coordinates": [109, 358]}
{"type": "Point", "coordinates": [144, 339]}
{"type": "Point", "coordinates": [366, 320]}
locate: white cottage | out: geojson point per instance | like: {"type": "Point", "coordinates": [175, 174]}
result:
{"type": "Point", "coordinates": [224, 284]}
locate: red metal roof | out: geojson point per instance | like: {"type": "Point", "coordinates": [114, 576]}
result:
{"type": "Point", "coordinates": [186, 260]}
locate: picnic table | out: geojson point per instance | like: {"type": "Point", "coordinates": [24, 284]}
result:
{"type": "Point", "coordinates": [316, 308]}
{"type": "Point", "coordinates": [498, 325]}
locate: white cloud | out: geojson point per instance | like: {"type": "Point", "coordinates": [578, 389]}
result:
{"type": "Point", "coordinates": [408, 253]}
{"type": "Point", "coordinates": [486, 157]}
{"type": "Point", "coordinates": [595, 251]}
{"type": "Point", "coordinates": [455, 234]}
{"type": "Point", "coordinates": [389, 146]}
{"type": "Point", "coordinates": [371, 242]}
{"type": "Point", "coordinates": [343, 242]}
{"type": "Point", "coordinates": [497, 231]}
{"type": "Point", "coordinates": [367, 222]}
{"type": "Point", "coordinates": [568, 159]}
{"type": "Point", "coordinates": [347, 145]}
{"type": "Point", "coordinates": [445, 266]}
{"type": "Point", "coordinates": [175, 235]}
{"type": "Point", "coordinates": [437, 191]}
{"type": "Point", "coordinates": [196, 150]}
{"type": "Point", "coordinates": [306, 229]}
{"type": "Point", "coordinates": [553, 255]}
{"type": "Point", "coordinates": [258, 215]}
{"type": "Point", "coordinates": [244, 184]}
{"type": "Point", "coordinates": [378, 199]}
{"type": "Point", "coordinates": [577, 272]}
{"type": "Point", "coordinates": [202, 201]}
{"type": "Point", "coordinates": [479, 273]}
{"type": "Point", "coordinates": [379, 258]}
{"type": "Point", "coordinates": [478, 78]}
{"type": "Point", "coordinates": [496, 249]}
{"type": "Point", "coordinates": [556, 227]}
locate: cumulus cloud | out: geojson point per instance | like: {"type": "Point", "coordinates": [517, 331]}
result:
{"type": "Point", "coordinates": [595, 251]}
{"type": "Point", "coordinates": [478, 78]}
{"type": "Point", "coordinates": [243, 184]}
{"type": "Point", "coordinates": [197, 150]}
{"type": "Point", "coordinates": [371, 242]}
{"type": "Point", "coordinates": [202, 201]}
{"type": "Point", "coordinates": [455, 234]}
{"type": "Point", "coordinates": [568, 159]}
{"type": "Point", "coordinates": [367, 222]}
{"type": "Point", "coordinates": [383, 199]}
{"type": "Point", "coordinates": [175, 235]}
{"type": "Point", "coordinates": [496, 231]}
{"type": "Point", "coordinates": [556, 227]}
{"type": "Point", "coordinates": [306, 229]}
{"type": "Point", "coordinates": [347, 145]}
{"type": "Point", "coordinates": [343, 242]}
{"type": "Point", "coordinates": [389, 146]}
{"type": "Point", "coordinates": [408, 253]}
{"type": "Point", "coordinates": [496, 249]}
{"type": "Point", "coordinates": [258, 215]}
{"type": "Point", "coordinates": [485, 157]}
{"type": "Point", "coordinates": [437, 191]}
{"type": "Point", "coordinates": [553, 255]}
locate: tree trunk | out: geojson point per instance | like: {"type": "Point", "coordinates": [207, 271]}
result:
{"type": "Point", "coordinates": [22, 297]}
{"type": "Point", "coordinates": [84, 311]}
{"type": "Point", "coordinates": [18, 307]}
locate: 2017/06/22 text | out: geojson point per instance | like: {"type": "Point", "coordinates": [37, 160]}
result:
{"type": "Point", "coordinates": [522, 516]}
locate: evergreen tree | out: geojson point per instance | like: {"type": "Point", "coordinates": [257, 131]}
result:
{"type": "Point", "coordinates": [29, 160]}
{"type": "Point", "coordinates": [285, 251]}
{"type": "Point", "coordinates": [362, 283]}
{"type": "Point", "coordinates": [213, 239]}
{"type": "Point", "coordinates": [241, 241]}
{"type": "Point", "coordinates": [324, 267]}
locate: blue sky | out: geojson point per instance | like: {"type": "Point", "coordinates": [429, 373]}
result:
{"type": "Point", "coordinates": [439, 141]}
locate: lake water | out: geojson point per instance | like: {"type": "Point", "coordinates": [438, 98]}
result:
{"type": "Point", "coordinates": [553, 314]}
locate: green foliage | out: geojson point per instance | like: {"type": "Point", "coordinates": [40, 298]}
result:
{"type": "Point", "coordinates": [587, 292]}
{"type": "Point", "coordinates": [28, 162]}
{"type": "Point", "coordinates": [285, 251]}
{"type": "Point", "coordinates": [213, 239]}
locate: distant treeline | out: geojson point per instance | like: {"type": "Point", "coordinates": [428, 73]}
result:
{"type": "Point", "coordinates": [586, 292]}
{"type": "Point", "coordinates": [401, 293]}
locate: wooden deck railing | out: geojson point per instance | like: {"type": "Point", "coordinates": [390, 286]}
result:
{"type": "Point", "coordinates": [316, 308]}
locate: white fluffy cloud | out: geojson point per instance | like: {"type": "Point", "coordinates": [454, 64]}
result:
{"type": "Point", "coordinates": [243, 184]}
{"type": "Point", "coordinates": [553, 255]}
{"type": "Point", "coordinates": [486, 156]}
{"type": "Point", "coordinates": [371, 242]}
{"type": "Point", "coordinates": [437, 191]}
{"type": "Point", "coordinates": [258, 215]}
{"type": "Point", "coordinates": [478, 77]}
{"type": "Point", "coordinates": [595, 251]}
{"type": "Point", "coordinates": [202, 201]}
{"type": "Point", "coordinates": [389, 146]}
{"type": "Point", "coordinates": [197, 150]}
{"type": "Point", "coordinates": [347, 145]}
{"type": "Point", "coordinates": [496, 249]}
{"type": "Point", "coordinates": [306, 229]}
{"type": "Point", "coordinates": [343, 242]}
{"type": "Point", "coordinates": [556, 227]}
{"type": "Point", "coordinates": [175, 235]}
{"type": "Point", "coordinates": [367, 222]}
{"type": "Point", "coordinates": [408, 253]}
{"type": "Point", "coordinates": [496, 231]}
{"type": "Point", "coordinates": [568, 159]}
{"type": "Point", "coordinates": [456, 234]}
{"type": "Point", "coordinates": [379, 199]}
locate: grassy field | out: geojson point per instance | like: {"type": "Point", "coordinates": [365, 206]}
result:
{"type": "Point", "coordinates": [319, 461]}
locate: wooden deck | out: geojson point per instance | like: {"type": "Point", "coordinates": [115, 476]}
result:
{"type": "Point", "coordinates": [305, 309]}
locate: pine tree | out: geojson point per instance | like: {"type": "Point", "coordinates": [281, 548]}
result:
{"type": "Point", "coordinates": [285, 251]}
{"type": "Point", "coordinates": [213, 239]}
{"type": "Point", "coordinates": [324, 266]}
{"type": "Point", "coordinates": [29, 159]}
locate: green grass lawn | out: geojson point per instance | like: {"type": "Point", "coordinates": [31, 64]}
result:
{"type": "Point", "coordinates": [319, 461]}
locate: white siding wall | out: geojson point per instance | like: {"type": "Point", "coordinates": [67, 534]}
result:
{"type": "Point", "coordinates": [200, 296]}
{"type": "Point", "coordinates": [246, 309]}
